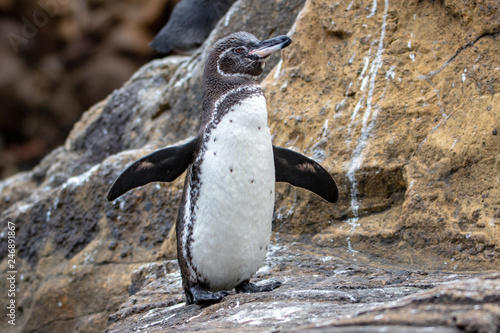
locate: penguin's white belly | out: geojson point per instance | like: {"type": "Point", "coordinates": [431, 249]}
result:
{"type": "Point", "coordinates": [233, 213]}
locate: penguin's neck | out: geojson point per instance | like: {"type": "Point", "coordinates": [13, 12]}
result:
{"type": "Point", "coordinates": [217, 91]}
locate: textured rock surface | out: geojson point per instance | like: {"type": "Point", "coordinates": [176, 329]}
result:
{"type": "Point", "coordinates": [398, 101]}
{"type": "Point", "coordinates": [58, 58]}
{"type": "Point", "coordinates": [321, 293]}
{"type": "Point", "coordinates": [401, 104]}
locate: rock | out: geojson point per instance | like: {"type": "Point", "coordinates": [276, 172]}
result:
{"type": "Point", "coordinates": [397, 102]}
{"type": "Point", "coordinates": [61, 57]}
{"type": "Point", "coordinates": [470, 306]}
{"type": "Point", "coordinates": [388, 111]}
{"type": "Point", "coordinates": [320, 293]}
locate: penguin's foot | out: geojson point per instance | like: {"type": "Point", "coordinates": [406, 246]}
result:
{"type": "Point", "coordinates": [205, 297]}
{"type": "Point", "coordinates": [247, 287]}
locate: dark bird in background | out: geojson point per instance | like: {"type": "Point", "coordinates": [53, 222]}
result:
{"type": "Point", "coordinates": [190, 23]}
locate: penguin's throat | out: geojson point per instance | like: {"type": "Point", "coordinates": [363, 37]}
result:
{"type": "Point", "coordinates": [221, 102]}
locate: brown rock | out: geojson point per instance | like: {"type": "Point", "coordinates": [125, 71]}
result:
{"type": "Point", "coordinates": [46, 66]}
{"type": "Point", "coordinates": [100, 75]}
{"type": "Point", "coordinates": [387, 107]}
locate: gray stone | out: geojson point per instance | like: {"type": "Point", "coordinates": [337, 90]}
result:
{"type": "Point", "coordinates": [319, 294]}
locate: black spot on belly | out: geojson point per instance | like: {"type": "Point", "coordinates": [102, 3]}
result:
{"type": "Point", "coordinates": [251, 181]}
{"type": "Point", "coordinates": [231, 170]}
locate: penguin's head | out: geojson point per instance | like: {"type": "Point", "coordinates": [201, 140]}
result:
{"type": "Point", "coordinates": [242, 55]}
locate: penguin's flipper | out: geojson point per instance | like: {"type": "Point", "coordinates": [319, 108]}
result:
{"type": "Point", "coordinates": [298, 170]}
{"type": "Point", "coordinates": [163, 165]}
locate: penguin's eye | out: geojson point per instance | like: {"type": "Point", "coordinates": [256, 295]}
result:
{"type": "Point", "coordinates": [240, 50]}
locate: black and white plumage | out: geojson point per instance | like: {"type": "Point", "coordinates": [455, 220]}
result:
{"type": "Point", "coordinates": [224, 220]}
{"type": "Point", "coordinates": [189, 24]}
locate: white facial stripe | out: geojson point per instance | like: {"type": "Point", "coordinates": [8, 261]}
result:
{"type": "Point", "coordinates": [221, 72]}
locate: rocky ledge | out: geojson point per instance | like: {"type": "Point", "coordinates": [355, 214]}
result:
{"type": "Point", "coordinates": [320, 293]}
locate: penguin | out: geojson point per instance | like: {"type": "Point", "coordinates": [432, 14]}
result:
{"type": "Point", "coordinates": [189, 24]}
{"type": "Point", "coordinates": [224, 221]}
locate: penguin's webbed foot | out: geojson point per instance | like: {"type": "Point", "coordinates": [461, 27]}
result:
{"type": "Point", "coordinates": [205, 297]}
{"type": "Point", "coordinates": [247, 287]}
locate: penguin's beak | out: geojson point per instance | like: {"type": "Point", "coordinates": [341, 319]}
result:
{"type": "Point", "coordinates": [268, 47]}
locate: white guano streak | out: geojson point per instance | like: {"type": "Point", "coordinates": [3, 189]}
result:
{"type": "Point", "coordinates": [374, 9]}
{"type": "Point", "coordinates": [368, 123]}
